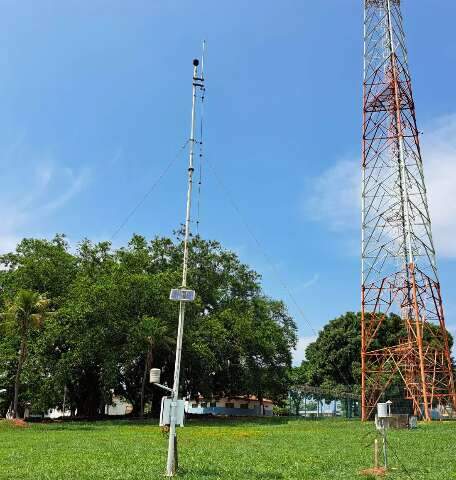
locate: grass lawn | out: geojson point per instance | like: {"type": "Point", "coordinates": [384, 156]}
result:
{"type": "Point", "coordinates": [273, 448]}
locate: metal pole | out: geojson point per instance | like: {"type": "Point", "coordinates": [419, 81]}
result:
{"type": "Point", "coordinates": [363, 243]}
{"type": "Point", "coordinates": [385, 455]}
{"type": "Point", "coordinates": [171, 465]}
{"type": "Point", "coordinates": [409, 259]}
{"type": "Point", "coordinates": [64, 400]}
{"type": "Point", "coordinates": [376, 453]}
{"type": "Point", "coordinates": [402, 173]}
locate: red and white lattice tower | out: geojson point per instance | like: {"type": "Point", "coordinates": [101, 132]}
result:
{"type": "Point", "coordinates": [399, 272]}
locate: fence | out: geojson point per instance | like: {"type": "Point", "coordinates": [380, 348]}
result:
{"type": "Point", "coordinates": [315, 402]}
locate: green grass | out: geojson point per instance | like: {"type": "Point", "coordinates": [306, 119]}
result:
{"type": "Point", "coordinates": [265, 449]}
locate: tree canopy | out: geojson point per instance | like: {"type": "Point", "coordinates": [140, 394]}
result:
{"type": "Point", "coordinates": [112, 320]}
{"type": "Point", "coordinates": [333, 360]}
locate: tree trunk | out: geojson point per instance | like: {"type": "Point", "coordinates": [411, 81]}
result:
{"type": "Point", "coordinates": [17, 380]}
{"type": "Point", "coordinates": [89, 394]}
{"type": "Point", "coordinates": [147, 367]}
{"type": "Point", "coordinates": [260, 398]}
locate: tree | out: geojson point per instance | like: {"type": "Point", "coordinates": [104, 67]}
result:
{"type": "Point", "coordinates": [44, 266]}
{"type": "Point", "coordinates": [268, 339]}
{"type": "Point", "coordinates": [333, 361]}
{"type": "Point", "coordinates": [27, 311]}
{"type": "Point", "coordinates": [298, 378]}
{"type": "Point", "coordinates": [334, 358]}
{"type": "Point", "coordinates": [113, 320]}
{"type": "Point", "coordinates": [154, 333]}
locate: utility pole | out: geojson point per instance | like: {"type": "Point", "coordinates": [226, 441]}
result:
{"type": "Point", "coordinates": [399, 271]}
{"type": "Point", "coordinates": [183, 294]}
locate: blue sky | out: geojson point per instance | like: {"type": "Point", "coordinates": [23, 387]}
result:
{"type": "Point", "coordinates": [95, 101]}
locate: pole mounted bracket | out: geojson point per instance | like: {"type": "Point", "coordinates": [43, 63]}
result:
{"type": "Point", "coordinates": [164, 387]}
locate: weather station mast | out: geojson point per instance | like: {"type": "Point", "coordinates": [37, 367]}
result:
{"type": "Point", "coordinates": [183, 294]}
{"type": "Point", "coordinates": [399, 271]}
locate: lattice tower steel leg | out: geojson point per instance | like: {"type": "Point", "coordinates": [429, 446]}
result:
{"type": "Point", "coordinates": [399, 272]}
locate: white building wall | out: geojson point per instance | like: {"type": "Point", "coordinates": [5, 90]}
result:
{"type": "Point", "coordinates": [229, 406]}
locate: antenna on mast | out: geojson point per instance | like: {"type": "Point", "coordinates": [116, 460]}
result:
{"type": "Point", "coordinates": [200, 140]}
{"type": "Point", "coordinates": [202, 59]}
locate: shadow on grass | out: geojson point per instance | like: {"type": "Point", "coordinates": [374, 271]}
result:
{"type": "Point", "coordinates": [196, 421]}
{"type": "Point", "coordinates": [153, 422]}
{"type": "Point", "coordinates": [235, 421]}
{"type": "Point", "coordinates": [258, 421]}
{"type": "Point", "coordinates": [68, 427]}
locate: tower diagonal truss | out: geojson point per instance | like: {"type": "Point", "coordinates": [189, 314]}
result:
{"type": "Point", "coordinates": [399, 272]}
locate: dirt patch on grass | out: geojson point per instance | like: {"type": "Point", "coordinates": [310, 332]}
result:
{"type": "Point", "coordinates": [374, 472]}
{"type": "Point", "coordinates": [17, 423]}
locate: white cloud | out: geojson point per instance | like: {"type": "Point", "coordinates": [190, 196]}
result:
{"type": "Point", "coordinates": [335, 196]}
{"type": "Point", "coordinates": [8, 242]}
{"type": "Point", "coordinates": [75, 182]}
{"type": "Point", "coordinates": [308, 283]}
{"type": "Point", "coordinates": [34, 187]}
{"type": "Point", "coordinates": [439, 158]}
{"type": "Point", "coordinates": [299, 353]}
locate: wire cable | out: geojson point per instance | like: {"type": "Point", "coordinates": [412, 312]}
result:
{"type": "Point", "coordinates": [259, 245]}
{"type": "Point", "coordinates": [201, 140]}
{"type": "Point", "coordinates": [200, 174]}
{"type": "Point", "coordinates": [286, 288]}
{"type": "Point", "coordinates": [401, 464]}
{"type": "Point", "coordinates": [149, 191]}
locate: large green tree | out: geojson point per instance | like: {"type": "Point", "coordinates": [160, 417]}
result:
{"type": "Point", "coordinates": [334, 359]}
{"type": "Point", "coordinates": [114, 320]}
